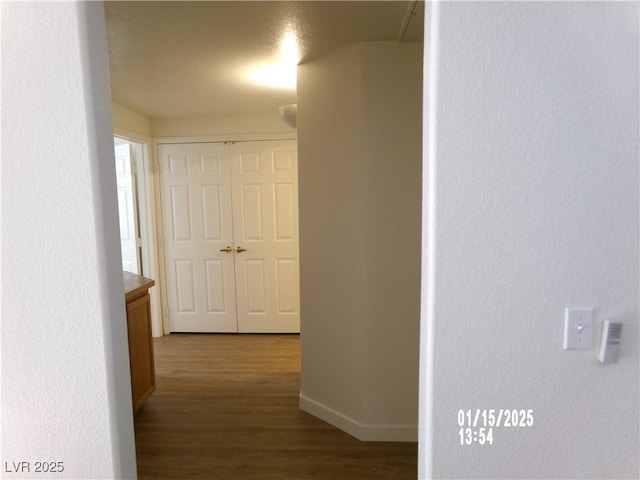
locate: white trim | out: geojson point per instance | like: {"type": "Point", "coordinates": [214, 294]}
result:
{"type": "Point", "coordinates": [429, 226]}
{"type": "Point", "coordinates": [247, 137]}
{"type": "Point", "coordinates": [131, 135]}
{"type": "Point", "coordinates": [150, 236]}
{"type": "Point", "coordinates": [362, 431]}
{"type": "Point", "coordinates": [166, 329]}
{"type": "Point", "coordinates": [147, 214]}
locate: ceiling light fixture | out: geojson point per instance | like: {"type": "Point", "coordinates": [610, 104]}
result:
{"type": "Point", "coordinates": [289, 115]}
{"type": "Point", "coordinates": [274, 75]}
{"type": "Point", "coordinates": [280, 73]}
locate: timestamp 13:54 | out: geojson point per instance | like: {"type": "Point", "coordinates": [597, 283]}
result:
{"type": "Point", "coordinates": [481, 436]}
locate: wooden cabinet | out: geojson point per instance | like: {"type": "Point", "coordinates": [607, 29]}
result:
{"type": "Point", "coordinates": [137, 299]}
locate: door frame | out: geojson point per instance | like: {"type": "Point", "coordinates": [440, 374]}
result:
{"type": "Point", "coordinates": [147, 208]}
{"type": "Point", "coordinates": [161, 284]}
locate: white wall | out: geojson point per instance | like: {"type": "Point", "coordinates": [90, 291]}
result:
{"type": "Point", "coordinates": [218, 125]}
{"type": "Point", "coordinates": [359, 168]}
{"type": "Point", "coordinates": [331, 233]}
{"type": "Point", "coordinates": [65, 382]}
{"type": "Point", "coordinates": [130, 123]}
{"type": "Point", "coordinates": [391, 151]}
{"type": "Point", "coordinates": [534, 158]}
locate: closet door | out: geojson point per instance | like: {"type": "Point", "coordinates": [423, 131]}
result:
{"type": "Point", "coordinates": [264, 179]}
{"type": "Point", "coordinates": [198, 237]}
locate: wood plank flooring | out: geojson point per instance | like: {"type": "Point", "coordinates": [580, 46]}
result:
{"type": "Point", "coordinates": [226, 407]}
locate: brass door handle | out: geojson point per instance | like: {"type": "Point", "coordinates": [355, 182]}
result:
{"type": "Point", "coordinates": [227, 249]}
{"type": "Point", "coordinates": [240, 249]}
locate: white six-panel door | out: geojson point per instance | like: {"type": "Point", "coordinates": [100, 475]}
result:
{"type": "Point", "coordinates": [230, 227]}
{"type": "Point", "coordinates": [197, 229]}
{"type": "Point", "coordinates": [265, 220]}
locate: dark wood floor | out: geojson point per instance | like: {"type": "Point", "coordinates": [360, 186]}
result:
{"type": "Point", "coordinates": [226, 407]}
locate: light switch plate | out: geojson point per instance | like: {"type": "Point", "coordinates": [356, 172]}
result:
{"type": "Point", "coordinates": [578, 329]}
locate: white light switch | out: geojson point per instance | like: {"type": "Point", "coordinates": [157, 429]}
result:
{"type": "Point", "coordinates": [578, 329]}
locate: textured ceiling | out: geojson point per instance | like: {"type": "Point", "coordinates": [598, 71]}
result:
{"type": "Point", "coordinates": [178, 58]}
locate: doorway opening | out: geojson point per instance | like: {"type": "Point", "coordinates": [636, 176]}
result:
{"type": "Point", "coordinates": [128, 208]}
{"type": "Point", "coordinates": [135, 194]}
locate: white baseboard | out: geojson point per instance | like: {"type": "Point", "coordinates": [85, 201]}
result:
{"type": "Point", "coordinates": [364, 432]}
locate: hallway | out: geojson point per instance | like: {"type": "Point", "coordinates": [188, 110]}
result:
{"type": "Point", "coordinates": [226, 407]}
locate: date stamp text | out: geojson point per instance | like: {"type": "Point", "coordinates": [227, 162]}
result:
{"type": "Point", "coordinates": [476, 426]}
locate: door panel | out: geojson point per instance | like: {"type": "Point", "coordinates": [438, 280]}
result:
{"type": "Point", "coordinates": [185, 282]}
{"type": "Point", "coordinates": [264, 187]}
{"type": "Point", "coordinates": [216, 286]}
{"type": "Point", "coordinates": [181, 213]}
{"type": "Point", "coordinates": [284, 198]}
{"type": "Point", "coordinates": [197, 225]}
{"type": "Point", "coordinates": [287, 278]}
{"type": "Point", "coordinates": [212, 205]}
{"type": "Point", "coordinates": [250, 207]}
{"type": "Point", "coordinates": [254, 285]}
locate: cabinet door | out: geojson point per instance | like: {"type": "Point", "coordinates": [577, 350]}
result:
{"type": "Point", "coordinates": [197, 229]}
{"type": "Point", "coordinates": [143, 378]}
{"type": "Point", "coordinates": [264, 178]}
